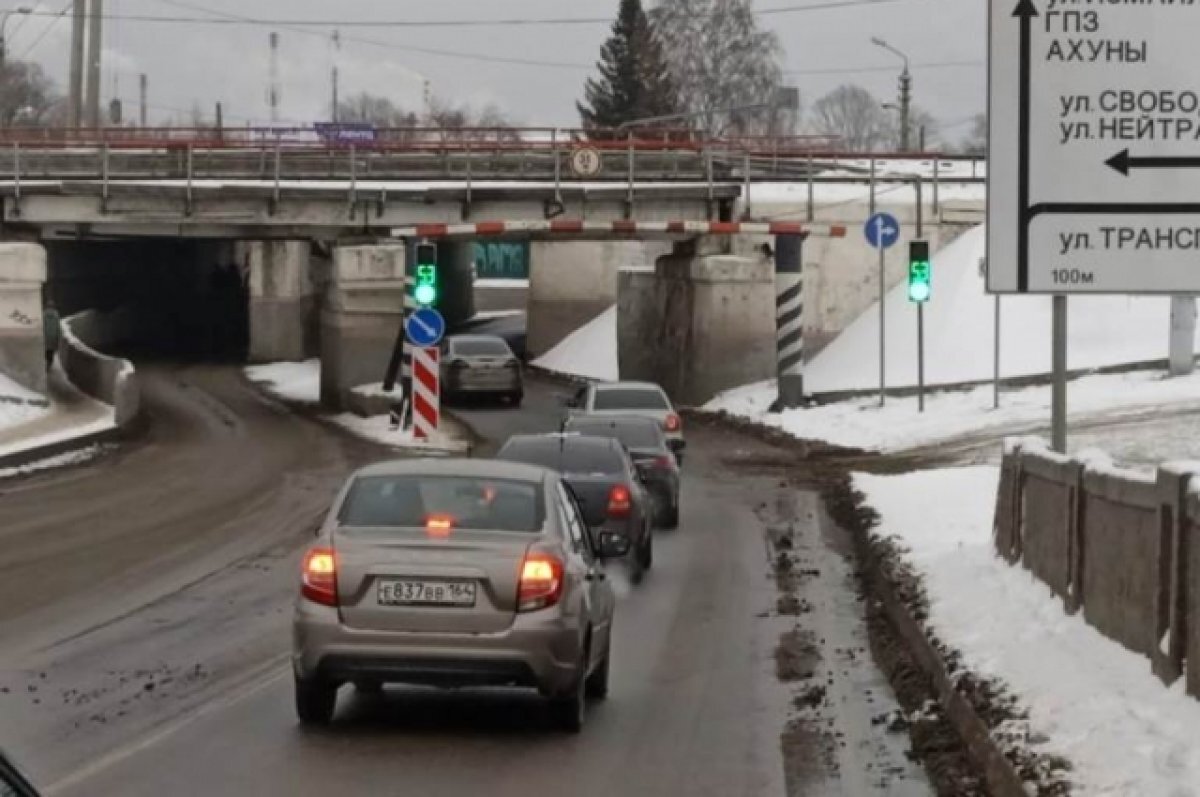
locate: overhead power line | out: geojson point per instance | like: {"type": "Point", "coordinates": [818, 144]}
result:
{"type": "Point", "coordinates": [45, 31]}
{"type": "Point", "coordinates": [846, 70]}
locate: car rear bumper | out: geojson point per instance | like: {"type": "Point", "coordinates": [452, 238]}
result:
{"type": "Point", "coordinates": [540, 650]}
{"type": "Point", "coordinates": [468, 381]}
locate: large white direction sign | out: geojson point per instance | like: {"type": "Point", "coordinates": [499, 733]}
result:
{"type": "Point", "coordinates": [1094, 160]}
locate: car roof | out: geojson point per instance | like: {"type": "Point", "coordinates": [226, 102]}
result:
{"type": "Point", "coordinates": [470, 468]}
{"type": "Point", "coordinates": [573, 438]}
{"type": "Point", "coordinates": [589, 419]}
{"type": "Point", "coordinates": [602, 386]}
{"type": "Point", "coordinates": [474, 338]}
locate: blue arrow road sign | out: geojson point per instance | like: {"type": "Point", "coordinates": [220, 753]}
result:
{"type": "Point", "coordinates": [882, 230]}
{"type": "Point", "coordinates": [425, 327]}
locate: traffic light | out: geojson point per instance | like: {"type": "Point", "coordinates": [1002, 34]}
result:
{"type": "Point", "coordinates": [425, 291]}
{"type": "Point", "coordinates": [920, 272]}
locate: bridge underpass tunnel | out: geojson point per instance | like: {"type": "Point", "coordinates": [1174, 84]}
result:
{"type": "Point", "coordinates": [181, 299]}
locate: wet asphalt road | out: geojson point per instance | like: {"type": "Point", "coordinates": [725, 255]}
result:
{"type": "Point", "coordinates": [145, 599]}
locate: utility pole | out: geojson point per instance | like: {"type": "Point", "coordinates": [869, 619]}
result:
{"type": "Point", "coordinates": [142, 116]}
{"type": "Point", "coordinates": [75, 101]}
{"type": "Point", "coordinates": [337, 46]}
{"type": "Point", "coordinates": [220, 117]}
{"type": "Point", "coordinates": [95, 33]}
{"type": "Point", "coordinates": [273, 91]}
{"type": "Point", "coordinates": [905, 106]}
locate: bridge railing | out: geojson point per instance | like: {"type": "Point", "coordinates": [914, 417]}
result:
{"type": "Point", "coordinates": [359, 153]}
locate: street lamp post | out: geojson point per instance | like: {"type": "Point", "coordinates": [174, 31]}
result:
{"type": "Point", "coordinates": [3, 24]}
{"type": "Point", "coordinates": [905, 92]}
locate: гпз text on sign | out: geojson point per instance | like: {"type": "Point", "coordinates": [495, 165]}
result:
{"type": "Point", "coordinates": [1094, 161]}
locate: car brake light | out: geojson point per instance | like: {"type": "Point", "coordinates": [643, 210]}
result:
{"type": "Point", "coordinates": [439, 525]}
{"type": "Point", "coordinates": [541, 583]}
{"type": "Point", "coordinates": [673, 423]}
{"type": "Point", "coordinates": [319, 580]}
{"type": "Point", "coordinates": [619, 501]}
{"type": "Point", "coordinates": [665, 461]}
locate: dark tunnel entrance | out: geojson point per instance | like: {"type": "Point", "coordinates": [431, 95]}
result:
{"type": "Point", "coordinates": [175, 299]}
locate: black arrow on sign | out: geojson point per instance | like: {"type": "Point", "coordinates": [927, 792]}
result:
{"type": "Point", "coordinates": [1025, 12]}
{"type": "Point", "coordinates": [1122, 162]}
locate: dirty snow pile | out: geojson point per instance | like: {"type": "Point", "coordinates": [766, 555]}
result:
{"type": "Point", "coordinates": [300, 383]}
{"type": "Point", "coordinates": [862, 423]}
{"type": "Point", "coordinates": [19, 404]}
{"type": "Point", "coordinates": [590, 351]}
{"type": "Point", "coordinates": [1092, 701]}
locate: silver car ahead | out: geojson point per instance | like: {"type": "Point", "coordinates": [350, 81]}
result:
{"type": "Point", "coordinates": [637, 399]}
{"type": "Point", "coordinates": [481, 365]}
{"type": "Point", "coordinates": [455, 573]}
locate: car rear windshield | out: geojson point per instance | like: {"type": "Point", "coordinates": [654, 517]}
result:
{"type": "Point", "coordinates": [630, 399]}
{"type": "Point", "coordinates": [631, 435]}
{"type": "Point", "coordinates": [481, 348]}
{"type": "Point", "coordinates": [465, 502]}
{"type": "Point", "coordinates": [569, 456]}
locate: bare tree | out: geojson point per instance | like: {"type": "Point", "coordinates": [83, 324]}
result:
{"type": "Point", "coordinates": [922, 127]}
{"type": "Point", "coordinates": [364, 108]}
{"type": "Point", "coordinates": [854, 115]}
{"type": "Point", "coordinates": [27, 96]}
{"type": "Point", "coordinates": [976, 141]}
{"type": "Point", "coordinates": [719, 59]}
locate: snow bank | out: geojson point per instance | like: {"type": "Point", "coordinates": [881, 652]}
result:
{"type": "Point", "coordinates": [862, 423]}
{"type": "Point", "coordinates": [19, 404]}
{"type": "Point", "coordinates": [1094, 703]}
{"type": "Point", "coordinates": [299, 382]}
{"type": "Point", "coordinates": [959, 331]}
{"type": "Point", "coordinates": [590, 351]}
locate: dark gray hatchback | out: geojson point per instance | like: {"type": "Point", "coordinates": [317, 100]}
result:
{"type": "Point", "coordinates": [611, 492]}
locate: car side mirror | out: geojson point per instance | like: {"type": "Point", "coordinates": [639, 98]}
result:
{"type": "Point", "coordinates": [611, 545]}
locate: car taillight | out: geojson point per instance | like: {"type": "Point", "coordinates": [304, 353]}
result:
{"type": "Point", "coordinates": [666, 462]}
{"type": "Point", "coordinates": [673, 423]}
{"type": "Point", "coordinates": [541, 583]}
{"type": "Point", "coordinates": [319, 579]}
{"type": "Point", "coordinates": [620, 502]}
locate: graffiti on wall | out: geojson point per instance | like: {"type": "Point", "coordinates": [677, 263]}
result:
{"type": "Point", "coordinates": [501, 260]}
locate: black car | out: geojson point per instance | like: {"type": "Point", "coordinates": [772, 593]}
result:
{"type": "Point", "coordinates": [611, 492]}
{"type": "Point", "coordinates": [12, 782]}
{"type": "Point", "coordinates": [646, 443]}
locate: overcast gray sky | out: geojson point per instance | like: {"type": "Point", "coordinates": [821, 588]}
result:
{"type": "Point", "coordinates": [200, 63]}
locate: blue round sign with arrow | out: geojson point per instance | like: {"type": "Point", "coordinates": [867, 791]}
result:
{"type": "Point", "coordinates": [425, 327]}
{"type": "Point", "coordinates": [882, 230]}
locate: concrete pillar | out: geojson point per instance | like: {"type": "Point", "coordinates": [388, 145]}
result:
{"type": "Point", "coordinates": [710, 325]}
{"type": "Point", "coordinates": [364, 307]}
{"type": "Point", "coordinates": [282, 300]}
{"type": "Point", "coordinates": [22, 347]}
{"type": "Point", "coordinates": [1183, 335]}
{"type": "Point", "coordinates": [570, 283]}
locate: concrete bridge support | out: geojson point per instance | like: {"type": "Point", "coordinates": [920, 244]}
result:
{"type": "Point", "coordinates": [22, 349]}
{"type": "Point", "coordinates": [572, 283]}
{"type": "Point", "coordinates": [363, 310]}
{"type": "Point", "coordinates": [282, 299]}
{"type": "Point", "coordinates": [703, 321]}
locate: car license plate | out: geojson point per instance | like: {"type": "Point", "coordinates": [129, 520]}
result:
{"type": "Point", "coordinates": [410, 592]}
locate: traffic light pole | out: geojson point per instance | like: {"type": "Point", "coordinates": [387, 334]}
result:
{"type": "Point", "coordinates": [920, 356]}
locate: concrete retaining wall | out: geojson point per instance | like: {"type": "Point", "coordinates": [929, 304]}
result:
{"type": "Point", "coordinates": [22, 348]}
{"type": "Point", "coordinates": [111, 380]}
{"type": "Point", "coordinates": [1119, 545]}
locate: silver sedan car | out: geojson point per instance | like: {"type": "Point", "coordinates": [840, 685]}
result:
{"type": "Point", "coordinates": [455, 573]}
{"type": "Point", "coordinates": [481, 365]}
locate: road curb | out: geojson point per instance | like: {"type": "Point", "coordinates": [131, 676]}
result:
{"type": "Point", "coordinates": [35, 454]}
{"type": "Point", "coordinates": [982, 750]}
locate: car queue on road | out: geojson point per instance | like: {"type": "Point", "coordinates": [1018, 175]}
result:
{"type": "Point", "coordinates": [490, 573]}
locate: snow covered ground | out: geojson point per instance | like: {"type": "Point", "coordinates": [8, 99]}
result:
{"type": "Point", "coordinates": [590, 351]}
{"type": "Point", "coordinates": [18, 404]}
{"type": "Point", "coordinates": [862, 423]}
{"type": "Point", "coordinates": [300, 383]}
{"type": "Point", "coordinates": [1092, 701]}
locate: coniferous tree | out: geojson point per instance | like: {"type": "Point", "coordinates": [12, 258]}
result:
{"type": "Point", "coordinates": [634, 82]}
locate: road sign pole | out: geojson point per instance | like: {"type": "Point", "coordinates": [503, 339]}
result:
{"type": "Point", "coordinates": [1058, 411]}
{"type": "Point", "coordinates": [996, 358]}
{"type": "Point", "coordinates": [882, 320]}
{"type": "Point", "coordinates": [920, 356]}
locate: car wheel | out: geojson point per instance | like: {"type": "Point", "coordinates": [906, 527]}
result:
{"type": "Point", "coordinates": [597, 682]}
{"type": "Point", "coordinates": [646, 552]}
{"type": "Point", "coordinates": [569, 708]}
{"type": "Point", "coordinates": [315, 701]}
{"type": "Point", "coordinates": [637, 567]}
{"type": "Point", "coordinates": [516, 398]}
{"type": "Point", "coordinates": [670, 518]}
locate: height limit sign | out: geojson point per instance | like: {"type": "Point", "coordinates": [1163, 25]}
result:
{"type": "Point", "coordinates": [1094, 160]}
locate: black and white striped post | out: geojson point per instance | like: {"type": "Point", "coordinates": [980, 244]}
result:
{"type": "Point", "coordinates": [789, 319]}
{"type": "Point", "coordinates": [401, 360]}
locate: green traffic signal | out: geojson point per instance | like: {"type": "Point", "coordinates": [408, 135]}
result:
{"type": "Point", "coordinates": [920, 272]}
{"type": "Point", "coordinates": [425, 291]}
